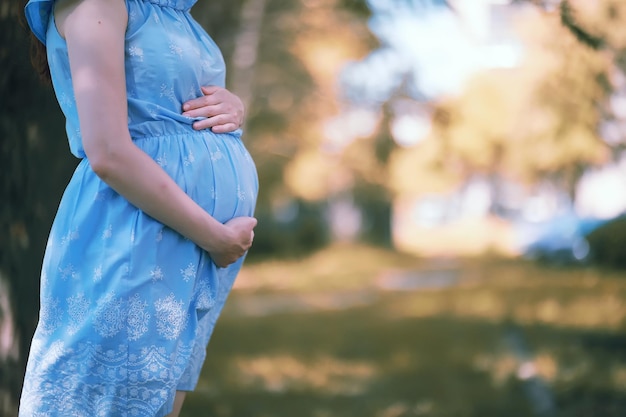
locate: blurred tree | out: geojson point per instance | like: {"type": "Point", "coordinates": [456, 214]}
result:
{"type": "Point", "coordinates": [36, 163]}
{"type": "Point", "coordinates": [597, 24]}
{"type": "Point", "coordinates": [539, 120]}
{"type": "Point", "coordinates": [302, 47]}
{"type": "Point", "coordinates": [566, 107]}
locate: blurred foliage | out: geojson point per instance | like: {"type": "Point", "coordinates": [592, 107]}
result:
{"type": "Point", "coordinates": [597, 24]}
{"type": "Point", "coordinates": [302, 47]}
{"type": "Point", "coordinates": [536, 121]}
{"type": "Point", "coordinates": [36, 164]}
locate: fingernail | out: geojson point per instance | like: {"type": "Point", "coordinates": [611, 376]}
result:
{"type": "Point", "coordinates": [185, 106]}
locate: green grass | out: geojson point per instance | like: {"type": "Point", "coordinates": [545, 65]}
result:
{"type": "Point", "coordinates": [324, 336]}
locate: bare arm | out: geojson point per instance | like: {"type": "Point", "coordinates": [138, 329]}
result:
{"type": "Point", "coordinates": [94, 31]}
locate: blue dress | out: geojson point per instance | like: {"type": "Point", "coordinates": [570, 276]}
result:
{"type": "Point", "coordinates": [127, 304]}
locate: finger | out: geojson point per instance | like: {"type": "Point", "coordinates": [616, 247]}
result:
{"type": "Point", "coordinates": [210, 89]}
{"type": "Point", "coordinates": [208, 111]}
{"type": "Point", "coordinates": [214, 125]}
{"type": "Point", "coordinates": [203, 101]}
{"type": "Point", "coordinates": [224, 120]}
{"type": "Point", "coordinates": [205, 111]}
{"type": "Point", "coordinates": [225, 128]}
{"type": "Point", "coordinates": [203, 124]}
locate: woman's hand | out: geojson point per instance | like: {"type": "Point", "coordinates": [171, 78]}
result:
{"type": "Point", "coordinates": [235, 241]}
{"type": "Point", "coordinates": [223, 110]}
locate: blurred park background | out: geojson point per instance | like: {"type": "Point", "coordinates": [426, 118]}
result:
{"type": "Point", "coordinates": [440, 214]}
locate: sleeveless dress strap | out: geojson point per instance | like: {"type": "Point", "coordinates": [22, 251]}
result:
{"type": "Point", "coordinates": [38, 15]}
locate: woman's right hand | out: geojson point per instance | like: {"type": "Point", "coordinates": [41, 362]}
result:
{"type": "Point", "coordinates": [237, 239]}
{"type": "Point", "coordinates": [223, 111]}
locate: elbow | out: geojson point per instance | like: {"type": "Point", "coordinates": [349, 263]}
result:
{"type": "Point", "coordinates": [103, 161]}
{"type": "Point", "coordinates": [101, 167]}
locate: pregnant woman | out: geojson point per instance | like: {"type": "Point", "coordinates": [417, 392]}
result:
{"type": "Point", "coordinates": [155, 222]}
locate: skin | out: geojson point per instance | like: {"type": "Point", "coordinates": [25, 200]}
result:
{"type": "Point", "coordinates": [223, 110]}
{"type": "Point", "coordinates": [178, 404]}
{"type": "Point", "coordinates": [94, 31]}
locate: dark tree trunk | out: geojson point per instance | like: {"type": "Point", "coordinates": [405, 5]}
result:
{"type": "Point", "coordinates": [35, 165]}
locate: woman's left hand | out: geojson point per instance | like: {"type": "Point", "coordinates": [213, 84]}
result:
{"type": "Point", "coordinates": [223, 110]}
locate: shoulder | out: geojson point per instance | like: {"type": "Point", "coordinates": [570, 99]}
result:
{"type": "Point", "coordinates": [82, 15]}
{"type": "Point", "coordinates": [38, 12]}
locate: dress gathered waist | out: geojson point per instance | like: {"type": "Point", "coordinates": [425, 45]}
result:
{"type": "Point", "coordinates": [187, 135]}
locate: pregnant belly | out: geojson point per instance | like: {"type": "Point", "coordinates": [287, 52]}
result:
{"type": "Point", "coordinates": [215, 170]}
